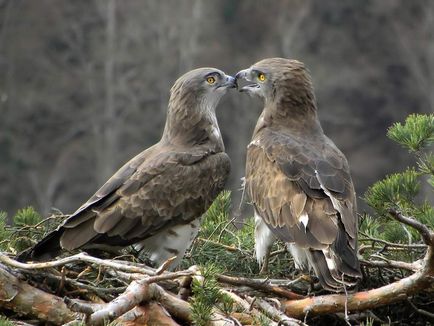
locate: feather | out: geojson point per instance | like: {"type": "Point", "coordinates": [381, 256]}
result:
{"type": "Point", "coordinates": [168, 185]}
{"type": "Point", "coordinates": [290, 162]}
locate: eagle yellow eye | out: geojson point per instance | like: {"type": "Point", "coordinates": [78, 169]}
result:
{"type": "Point", "coordinates": [261, 77]}
{"type": "Point", "coordinates": [210, 80]}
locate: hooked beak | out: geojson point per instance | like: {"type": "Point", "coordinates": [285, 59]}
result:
{"type": "Point", "coordinates": [242, 74]}
{"type": "Point", "coordinates": [249, 88]}
{"type": "Point", "coordinates": [230, 82]}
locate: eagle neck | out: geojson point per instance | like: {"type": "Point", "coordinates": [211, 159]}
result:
{"type": "Point", "coordinates": [296, 119]}
{"type": "Point", "coordinates": [195, 126]}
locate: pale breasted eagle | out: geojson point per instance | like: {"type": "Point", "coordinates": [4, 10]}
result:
{"type": "Point", "coordinates": [297, 179]}
{"type": "Point", "coordinates": [155, 201]}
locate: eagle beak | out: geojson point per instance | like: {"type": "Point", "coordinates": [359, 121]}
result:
{"type": "Point", "coordinates": [246, 75]}
{"type": "Point", "coordinates": [230, 82]}
{"type": "Point", "coordinates": [242, 74]}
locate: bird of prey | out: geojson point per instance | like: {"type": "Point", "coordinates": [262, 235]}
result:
{"type": "Point", "coordinates": [297, 179]}
{"type": "Point", "coordinates": [155, 201]}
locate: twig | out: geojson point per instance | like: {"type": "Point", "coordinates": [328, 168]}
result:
{"type": "Point", "coordinates": [426, 234]}
{"type": "Point", "coordinates": [258, 285]}
{"type": "Point", "coordinates": [278, 252]}
{"type": "Point", "coordinates": [81, 306]}
{"type": "Point", "coordinates": [392, 244]}
{"type": "Point", "coordinates": [97, 290]}
{"type": "Point", "coordinates": [137, 292]}
{"type": "Point", "coordinates": [81, 257]}
{"type": "Point", "coordinates": [246, 306]}
{"type": "Point", "coordinates": [215, 243]}
{"type": "Point", "coordinates": [164, 266]}
{"type": "Point", "coordinates": [274, 313]}
{"type": "Point", "coordinates": [413, 267]}
{"type": "Point", "coordinates": [421, 311]}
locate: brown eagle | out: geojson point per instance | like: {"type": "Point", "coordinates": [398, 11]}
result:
{"type": "Point", "coordinates": [155, 201]}
{"type": "Point", "coordinates": [297, 179]}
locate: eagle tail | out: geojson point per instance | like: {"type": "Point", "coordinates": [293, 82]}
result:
{"type": "Point", "coordinates": [47, 248]}
{"type": "Point", "coordinates": [336, 266]}
{"type": "Point", "coordinates": [328, 271]}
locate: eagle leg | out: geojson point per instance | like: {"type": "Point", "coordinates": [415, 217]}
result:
{"type": "Point", "coordinates": [264, 267]}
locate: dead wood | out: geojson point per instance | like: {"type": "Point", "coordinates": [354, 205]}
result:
{"type": "Point", "coordinates": [18, 296]}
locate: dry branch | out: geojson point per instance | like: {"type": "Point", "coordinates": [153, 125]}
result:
{"type": "Point", "coordinates": [150, 314]}
{"type": "Point", "coordinates": [263, 286]}
{"type": "Point", "coordinates": [81, 257]}
{"type": "Point", "coordinates": [145, 301]}
{"type": "Point", "coordinates": [136, 293]}
{"type": "Point", "coordinates": [412, 267]}
{"type": "Point", "coordinates": [24, 299]}
{"type": "Point", "coordinates": [391, 293]}
{"type": "Point", "coordinates": [274, 313]}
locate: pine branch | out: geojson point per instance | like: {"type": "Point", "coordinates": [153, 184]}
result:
{"type": "Point", "coordinates": [426, 234]}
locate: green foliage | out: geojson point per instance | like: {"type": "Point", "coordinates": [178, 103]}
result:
{"type": "Point", "coordinates": [5, 234]}
{"type": "Point", "coordinates": [368, 225]}
{"type": "Point", "coordinates": [369, 322]}
{"type": "Point", "coordinates": [416, 134]}
{"type": "Point", "coordinates": [27, 228]}
{"type": "Point", "coordinates": [398, 189]}
{"type": "Point", "coordinates": [5, 321]}
{"type": "Point", "coordinates": [261, 320]}
{"type": "Point", "coordinates": [219, 240]}
{"type": "Point", "coordinates": [425, 214]}
{"type": "Point", "coordinates": [426, 163]}
{"type": "Point", "coordinates": [401, 191]}
{"type": "Point", "coordinates": [27, 216]}
{"type": "Point", "coordinates": [207, 295]}
{"type": "Point", "coordinates": [395, 232]}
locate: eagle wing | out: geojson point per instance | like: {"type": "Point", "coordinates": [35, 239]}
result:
{"type": "Point", "coordinates": [303, 191]}
{"type": "Point", "coordinates": [169, 189]}
{"type": "Point", "coordinates": [156, 189]}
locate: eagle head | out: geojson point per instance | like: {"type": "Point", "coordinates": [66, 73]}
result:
{"type": "Point", "coordinates": [277, 80]}
{"type": "Point", "coordinates": [201, 87]}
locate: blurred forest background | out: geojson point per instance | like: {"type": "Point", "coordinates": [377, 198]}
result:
{"type": "Point", "coordinates": [84, 84]}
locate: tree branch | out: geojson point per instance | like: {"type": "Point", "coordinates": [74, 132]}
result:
{"type": "Point", "coordinates": [143, 291]}
{"type": "Point", "coordinates": [81, 257]}
{"type": "Point", "coordinates": [426, 234]}
{"type": "Point", "coordinates": [391, 293]}
{"type": "Point", "coordinates": [413, 267]}
{"type": "Point", "coordinates": [263, 286]}
{"type": "Point", "coordinates": [25, 299]}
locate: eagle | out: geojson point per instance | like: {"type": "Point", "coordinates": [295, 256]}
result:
{"type": "Point", "coordinates": [155, 201]}
{"type": "Point", "coordinates": [298, 181]}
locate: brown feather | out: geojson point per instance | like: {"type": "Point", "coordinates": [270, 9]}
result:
{"type": "Point", "coordinates": [290, 162]}
{"type": "Point", "coordinates": [169, 184]}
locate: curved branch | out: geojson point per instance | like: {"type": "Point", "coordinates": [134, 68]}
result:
{"type": "Point", "coordinates": [81, 257]}
{"type": "Point", "coordinates": [391, 293]}
{"type": "Point", "coordinates": [426, 234]}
